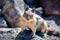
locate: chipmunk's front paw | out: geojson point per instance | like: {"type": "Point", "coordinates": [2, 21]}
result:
{"type": "Point", "coordinates": [34, 35]}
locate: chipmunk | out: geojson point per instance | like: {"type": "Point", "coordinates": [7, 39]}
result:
{"type": "Point", "coordinates": [28, 20]}
{"type": "Point", "coordinates": [33, 21]}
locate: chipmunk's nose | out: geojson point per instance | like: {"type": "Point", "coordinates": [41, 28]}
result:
{"type": "Point", "coordinates": [29, 16]}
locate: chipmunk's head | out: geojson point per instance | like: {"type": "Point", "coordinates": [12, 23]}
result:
{"type": "Point", "coordinates": [28, 13]}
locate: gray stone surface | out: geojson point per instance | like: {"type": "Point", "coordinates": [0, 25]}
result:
{"type": "Point", "coordinates": [16, 34]}
{"type": "Point", "coordinates": [19, 6]}
{"type": "Point", "coordinates": [9, 34]}
{"type": "Point", "coordinates": [54, 23]}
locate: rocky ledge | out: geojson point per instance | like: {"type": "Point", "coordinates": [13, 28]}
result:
{"type": "Point", "coordinates": [16, 34]}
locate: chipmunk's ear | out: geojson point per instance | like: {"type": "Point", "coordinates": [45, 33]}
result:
{"type": "Point", "coordinates": [27, 8]}
{"type": "Point", "coordinates": [33, 10]}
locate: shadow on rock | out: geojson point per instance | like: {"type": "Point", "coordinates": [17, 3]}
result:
{"type": "Point", "coordinates": [28, 35]}
{"type": "Point", "coordinates": [39, 33]}
{"type": "Point", "coordinates": [25, 35]}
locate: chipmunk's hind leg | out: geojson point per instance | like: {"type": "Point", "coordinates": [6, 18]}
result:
{"type": "Point", "coordinates": [34, 31]}
{"type": "Point", "coordinates": [42, 29]}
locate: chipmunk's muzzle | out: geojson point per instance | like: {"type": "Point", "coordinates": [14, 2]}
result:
{"type": "Point", "coordinates": [29, 17]}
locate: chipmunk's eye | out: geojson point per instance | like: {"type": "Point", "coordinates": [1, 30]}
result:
{"type": "Point", "coordinates": [33, 10]}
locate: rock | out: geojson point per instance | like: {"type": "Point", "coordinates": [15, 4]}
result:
{"type": "Point", "coordinates": [20, 5]}
{"type": "Point", "coordinates": [9, 33]}
{"type": "Point", "coordinates": [57, 32]}
{"type": "Point", "coordinates": [16, 34]}
{"type": "Point", "coordinates": [53, 23]}
{"type": "Point", "coordinates": [51, 7]}
{"type": "Point", "coordinates": [12, 10]}
{"type": "Point", "coordinates": [27, 35]}
{"type": "Point", "coordinates": [3, 23]}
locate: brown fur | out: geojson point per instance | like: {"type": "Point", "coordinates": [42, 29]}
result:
{"type": "Point", "coordinates": [30, 23]}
